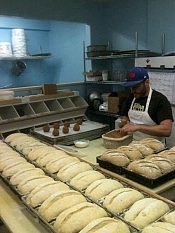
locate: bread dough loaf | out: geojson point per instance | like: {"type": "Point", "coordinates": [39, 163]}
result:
{"type": "Point", "coordinates": [58, 202]}
{"type": "Point", "coordinates": [168, 154]}
{"type": "Point", "coordinates": [44, 191]}
{"type": "Point", "coordinates": [27, 185]}
{"type": "Point", "coordinates": [67, 172]}
{"type": "Point", "coordinates": [115, 157]}
{"type": "Point", "coordinates": [145, 150]}
{"type": "Point", "coordinates": [106, 225]}
{"type": "Point", "coordinates": [26, 150]}
{"type": "Point", "coordinates": [159, 227]}
{"type": "Point", "coordinates": [100, 188]}
{"type": "Point", "coordinates": [37, 152]}
{"type": "Point", "coordinates": [145, 168]}
{"type": "Point", "coordinates": [146, 211]}
{"type": "Point", "coordinates": [21, 142]}
{"type": "Point", "coordinates": [12, 136]}
{"type": "Point", "coordinates": [9, 161]}
{"type": "Point", "coordinates": [55, 165]}
{"type": "Point", "coordinates": [153, 143]}
{"type": "Point", "coordinates": [120, 199]}
{"type": "Point", "coordinates": [7, 151]}
{"type": "Point", "coordinates": [7, 154]}
{"type": "Point", "coordinates": [77, 217]}
{"type": "Point", "coordinates": [164, 164]}
{"type": "Point", "coordinates": [83, 179]}
{"type": "Point", "coordinates": [21, 175]}
{"type": "Point", "coordinates": [14, 168]}
{"type": "Point", "coordinates": [45, 158]}
{"type": "Point", "coordinates": [132, 153]}
{"type": "Point", "coordinates": [170, 217]}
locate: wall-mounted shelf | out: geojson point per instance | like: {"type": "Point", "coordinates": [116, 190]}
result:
{"type": "Point", "coordinates": [125, 54]}
{"type": "Point", "coordinates": [105, 82]}
{"type": "Point", "coordinates": [32, 57]}
{"type": "Point", "coordinates": [109, 57]}
{"type": "Point", "coordinates": [163, 62]}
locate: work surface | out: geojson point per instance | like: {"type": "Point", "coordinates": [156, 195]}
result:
{"type": "Point", "coordinates": [96, 148]}
{"type": "Point", "coordinates": [14, 214]}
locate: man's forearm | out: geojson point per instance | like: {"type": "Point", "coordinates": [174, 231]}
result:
{"type": "Point", "coordinates": [162, 130]}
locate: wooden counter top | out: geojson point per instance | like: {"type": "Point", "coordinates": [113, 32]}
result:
{"type": "Point", "coordinates": [14, 214]}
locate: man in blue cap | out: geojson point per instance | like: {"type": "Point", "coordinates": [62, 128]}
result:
{"type": "Point", "coordinates": [147, 112]}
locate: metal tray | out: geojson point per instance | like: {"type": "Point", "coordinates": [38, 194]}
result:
{"type": "Point", "coordinates": [151, 183]}
{"type": "Point", "coordinates": [88, 130]}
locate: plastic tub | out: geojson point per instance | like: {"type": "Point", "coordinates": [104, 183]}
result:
{"type": "Point", "coordinates": [6, 94]}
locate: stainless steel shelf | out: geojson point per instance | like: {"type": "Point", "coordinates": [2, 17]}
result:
{"type": "Point", "coordinates": [109, 57]}
{"type": "Point", "coordinates": [105, 82]}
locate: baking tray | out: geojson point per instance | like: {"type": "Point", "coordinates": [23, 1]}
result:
{"type": "Point", "coordinates": [88, 130]}
{"type": "Point", "coordinates": [35, 214]}
{"type": "Point", "coordinates": [109, 166]}
{"type": "Point", "coordinates": [151, 183]}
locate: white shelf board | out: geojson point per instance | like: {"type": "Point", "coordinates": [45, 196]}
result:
{"type": "Point", "coordinates": [13, 58]}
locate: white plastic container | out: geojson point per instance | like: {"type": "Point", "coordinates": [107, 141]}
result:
{"type": "Point", "coordinates": [81, 143]}
{"type": "Point", "coordinates": [19, 42]}
{"type": "Point", "coordinates": [105, 75]}
{"type": "Point", "coordinates": [6, 94]}
{"type": "Point", "coordinates": [5, 49]}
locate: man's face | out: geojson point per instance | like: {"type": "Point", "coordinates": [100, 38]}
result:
{"type": "Point", "coordinates": [139, 90]}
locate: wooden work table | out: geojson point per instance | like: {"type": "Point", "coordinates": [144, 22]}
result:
{"type": "Point", "coordinates": [18, 220]}
{"type": "Point", "coordinates": [14, 214]}
{"type": "Point", "coordinates": [96, 148]}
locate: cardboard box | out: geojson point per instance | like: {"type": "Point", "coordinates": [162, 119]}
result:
{"type": "Point", "coordinates": [113, 104]}
{"type": "Point", "coordinates": [49, 89]}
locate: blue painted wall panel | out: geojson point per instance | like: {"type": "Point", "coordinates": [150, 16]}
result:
{"type": "Point", "coordinates": [115, 21]}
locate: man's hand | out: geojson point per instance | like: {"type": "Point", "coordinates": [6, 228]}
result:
{"type": "Point", "coordinates": [129, 128]}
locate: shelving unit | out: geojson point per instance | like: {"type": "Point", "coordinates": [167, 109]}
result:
{"type": "Point", "coordinates": [16, 115]}
{"type": "Point", "coordinates": [115, 56]}
{"type": "Point", "coordinates": [114, 79]}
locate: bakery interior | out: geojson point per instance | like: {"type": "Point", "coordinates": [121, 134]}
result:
{"type": "Point", "coordinates": [62, 65]}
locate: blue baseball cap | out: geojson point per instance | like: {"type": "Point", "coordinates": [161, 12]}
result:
{"type": "Point", "coordinates": [136, 76]}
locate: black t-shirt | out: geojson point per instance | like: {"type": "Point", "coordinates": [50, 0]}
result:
{"type": "Point", "coordinates": [159, 107]}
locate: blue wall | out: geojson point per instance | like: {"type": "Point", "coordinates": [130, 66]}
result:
{"type": "Point", "coordinates": [72, 21]}
{"type": "Point", "coordinates": [64, 40]}
{"type": "Point", "coordinates": [37, 39]}
{"type": "Point", "coordinates": [66, 45]}
{"type": "Point", "coordinates": [161, 19]}
{"type": "Point", "coordinates": [123, 20]}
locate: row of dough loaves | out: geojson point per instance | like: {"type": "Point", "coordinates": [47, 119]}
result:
{"type": "Point", "coordinates": [56, 200]}
{"type": "Point", "coordinates": [136, 150]}
{"type": "Point", "coordinates": [116, 198]}
{"type": "Point", "coordinates": [154, 165]}
{"type": "Point", "coordinates": [50, 158]}
{"type": "Point", "coordinates": [23, 142]}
